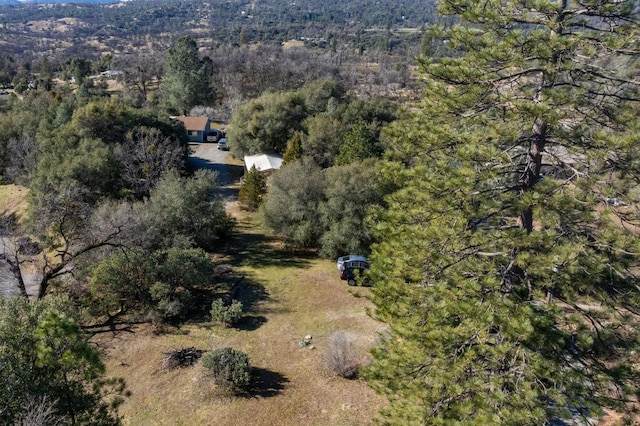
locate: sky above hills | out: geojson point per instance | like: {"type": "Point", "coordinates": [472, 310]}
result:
{"type": "Point", "coordinates": [17, 2]}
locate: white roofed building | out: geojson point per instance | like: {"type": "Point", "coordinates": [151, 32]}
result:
{"type": "Point", "coordinates": [263, 162]}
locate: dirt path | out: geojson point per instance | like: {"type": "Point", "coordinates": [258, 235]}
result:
{"type": "Point", "coordinates": [229, 169]}
{"type": "Point", "coordinates": [286, 296]}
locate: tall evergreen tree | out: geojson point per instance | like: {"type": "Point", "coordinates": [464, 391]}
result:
{"type": "Point", "coordinates": [294, 149]}
{"type": "Point", "coordinates": [252, 190]}
{"type": "Point", "coordinates": [507, 267]}
{"type": "Point", "coordinates": [185, 80]}
{"type": "Point", "coordinates": [359, 143]}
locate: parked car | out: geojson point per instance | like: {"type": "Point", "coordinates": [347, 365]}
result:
{"type": "Point", "coordinates": [350, 261]}
{"type": "Point", "coordinates": [351, 267]}
{"type": "Point", "coordinates": [215, 135]}
{"type": "Point", "coordinates": [222, 144]}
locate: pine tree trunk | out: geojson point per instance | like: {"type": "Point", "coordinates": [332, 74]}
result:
{"type": "Point", "coordinates": [539, 138]}
{"type": "Point", "coordinates": [532, 168]}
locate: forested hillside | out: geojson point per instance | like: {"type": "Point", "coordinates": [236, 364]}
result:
{"type": "Point", "coordinates": [90, 29]}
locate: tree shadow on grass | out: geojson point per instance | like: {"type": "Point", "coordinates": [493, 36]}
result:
{"type": "Point", "coordinates": [266, 383]}
{"type": "Point", "coordinates": [253, 248]}
{"type": "Point", "coordinates": [251, 322]}
{"type": "Point", "coordinates": [248, 291]}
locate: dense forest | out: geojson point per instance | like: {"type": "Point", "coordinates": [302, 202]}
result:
{"type": "Point", "coordinates": [484, 158]}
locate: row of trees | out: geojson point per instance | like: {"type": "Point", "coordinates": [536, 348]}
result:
{"type": "Point", "coordinates": [325, 209]}
{"type": "Point", "coordinates": [69, 129]}
{"type": "Point", "coordinates": [101, 176]}
{"type": "Point", "coordinates": [320, 121]}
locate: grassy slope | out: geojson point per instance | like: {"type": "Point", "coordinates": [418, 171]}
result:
{"type": "Point", "coordinates": [289, 296]}
{"type": "Point", "coordinates": [12, 200]}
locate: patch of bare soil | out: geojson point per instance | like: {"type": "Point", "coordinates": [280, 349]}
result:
{"type": "Point", "coordinates": [292, 43]}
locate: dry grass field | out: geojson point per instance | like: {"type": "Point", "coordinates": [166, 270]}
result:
{"type": "Point", "coordinates": [286, 296]}
{"type": "Point", "coordinates": [12, 200]}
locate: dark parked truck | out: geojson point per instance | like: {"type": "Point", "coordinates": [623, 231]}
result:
{"type": "Point", "coordinates": [351, 267]}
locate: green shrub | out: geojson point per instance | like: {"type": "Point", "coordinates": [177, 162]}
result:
{"type": "Point", "coordinates": [230, 368]}
{"type": "Point", "coordinates": [169, 302]}
{"type": "Point", "coordinates": [226, 315]}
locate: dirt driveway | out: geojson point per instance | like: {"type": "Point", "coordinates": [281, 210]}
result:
{"type": "Point", "coordinates": [230, 169]}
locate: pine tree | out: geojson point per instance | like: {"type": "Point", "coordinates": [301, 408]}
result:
{"type": "Point", "coordinates": [359, 143]}
{"type": "Point", "coordinates": [45, 354]}
{"type": "Point", "coordinates": [252, 190]}
{"type": "Point", "coordinates": [294, 149]}
{"type": "Point", "coordinates": [507, 263]}
{"type": "Point", "coordinates": [185, 79]}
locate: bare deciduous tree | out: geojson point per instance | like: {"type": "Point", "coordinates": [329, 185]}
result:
{"type": "Point", "coordinates": [22, 157]}
{"type": "Point", "coordinates": [140, 71]}
{"type": "Point", "coordinates": [146, 156]}
{"type": "Point", "coordinates": [67, 231]}
{"type": "Point", "coordinates": [341, 357]}
{"type": "Point", "coordinates": [39, 412]}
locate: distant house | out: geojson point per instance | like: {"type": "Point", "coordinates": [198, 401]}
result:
{"type": "Point", "coordinates": [111, 73]}
{"type": "Point", "coordinates": [263, 162]}
{"type": "Point", "coordinates": [197, 127]}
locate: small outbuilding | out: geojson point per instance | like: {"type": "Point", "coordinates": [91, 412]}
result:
{"type": "Point", "coordinates": [263, 162]}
